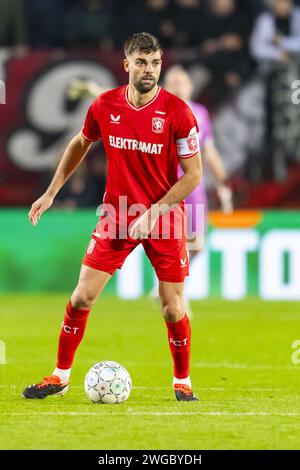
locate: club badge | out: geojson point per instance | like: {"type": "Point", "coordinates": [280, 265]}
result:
{"type": "Point", "coordinates": [158, 125]}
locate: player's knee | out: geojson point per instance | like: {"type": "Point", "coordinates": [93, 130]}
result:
{"type": "Point", "coordinates": [173, 309]}
{"type": "Point", "coordinates": [83, 299]}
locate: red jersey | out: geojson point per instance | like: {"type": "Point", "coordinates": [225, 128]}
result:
{"type": "Point", "coordinates": [142, 144]}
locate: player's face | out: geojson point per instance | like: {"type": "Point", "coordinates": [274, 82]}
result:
{"type": "Point", "coordinates": [179, 84]}
{"type": "Point", "coordinates": [282, 8]}
{"type": "Point", "coordinates": [144, 70]}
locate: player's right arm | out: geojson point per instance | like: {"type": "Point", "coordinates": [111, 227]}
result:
{"type": "Point", "coordinates": [71, 159]}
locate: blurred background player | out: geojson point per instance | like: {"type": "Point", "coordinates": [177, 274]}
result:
{"type": "Point", "coordinates": [178, 82]}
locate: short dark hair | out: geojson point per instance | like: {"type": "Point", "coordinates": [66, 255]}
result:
{"type": "Point", "coordinates": [142, 42]}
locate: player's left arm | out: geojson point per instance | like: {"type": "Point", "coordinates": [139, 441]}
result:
{"type": "Point", "coordinates": [192, 168]}
{"type": "Point", "coordinates": [192, 175]}
{"type": "Point", "coordinates": [185, 136]}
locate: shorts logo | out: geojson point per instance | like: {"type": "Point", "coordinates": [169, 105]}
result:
{"type": "Point", "coordinates": [158, 124]}
{"type": "Point", "coordinates": [183, 262]}
{"type": "Point", "coordinates": [91, 247]}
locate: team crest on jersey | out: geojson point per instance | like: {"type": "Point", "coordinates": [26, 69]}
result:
{"type": "Point", "coordinates": [158, 124]}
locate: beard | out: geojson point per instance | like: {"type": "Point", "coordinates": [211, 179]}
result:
{"type": "Point", "coordinates": [145, 87]}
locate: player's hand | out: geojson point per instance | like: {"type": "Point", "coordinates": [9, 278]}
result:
{"type": "Point", "coordinates": [225, 196]}
{"type": "Point", "coordinates": [38, 207]}
{"type": "Point", "coordinates": [143, 225]}
{"type": "Point", "coordinates": [84, 88]}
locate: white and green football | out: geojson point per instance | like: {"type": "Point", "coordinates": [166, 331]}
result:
{"type": "Point", "coordinates": [107, 382]}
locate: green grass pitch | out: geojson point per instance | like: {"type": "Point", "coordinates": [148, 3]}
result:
{"type": "Point", "coordinates": [241, 370]}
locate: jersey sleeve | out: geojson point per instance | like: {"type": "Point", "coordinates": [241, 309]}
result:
{"type": "Point", "coordinates": [186, 134]}
{"type": "Point", "coordinates": [91, 130]}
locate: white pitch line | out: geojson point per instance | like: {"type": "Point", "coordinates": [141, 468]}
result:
{"type": "Point", "coordinates": [212, 389]}
{"type": "Point", "coordinates": [150, 413]}
{"type": "Point", "coordinates": [225, 365]}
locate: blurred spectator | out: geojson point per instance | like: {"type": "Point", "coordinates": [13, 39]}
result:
{"type": "Point", "coordinates": [85, 188]}
{"type": "Point", "coordinates": [251, 8]}
{"type": "Point", "coordinates": [188, 17]}
{"type": "Point", "coordinates": [44, 21]}
{"type": "Point", "coordinates": [12, 26]}
{"type": "Point", "coordinates": [89, 23]}
{"type": "Point", "coordinates": [275, 44]}
{"type": "Point", "coordinates": [224, 48]}
{"type": "Point", "coordinates": [151, 15]}
{"type": "Point", "coordinates": [276, 33]}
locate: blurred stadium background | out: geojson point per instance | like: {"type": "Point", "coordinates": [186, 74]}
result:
{"type": "Point", "coordinates": [243, 57]}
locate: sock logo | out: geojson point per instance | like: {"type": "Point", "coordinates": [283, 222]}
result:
{"type": "Point", "coordinates": [179, 343]}
{"type": "Point", "coordinates": [69, 329]}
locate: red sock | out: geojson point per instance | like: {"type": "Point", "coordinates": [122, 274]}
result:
{"type": "Point", "coordinates": [179, 335]}
{"type": "Point", "coordinates": [72, 331]}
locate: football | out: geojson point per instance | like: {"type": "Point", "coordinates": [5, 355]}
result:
{"type": "Point", "coordinates": [107, 382]}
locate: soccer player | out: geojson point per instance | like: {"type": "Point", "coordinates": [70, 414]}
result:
{"type": "Point", "coordinates": [145, 131]}
{"type": "Point", "coordinates": [178, 82]}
